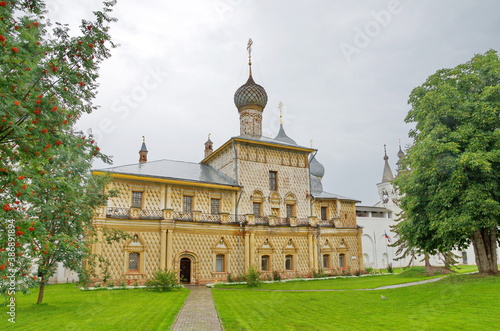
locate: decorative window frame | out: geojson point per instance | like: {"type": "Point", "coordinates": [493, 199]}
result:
{"type": "Point", "coordinates": [221, 247]}
{"type": "Point", "coordinates": [135, 245]}
{"type": "Point", "coordinates": [269, 251]}
{"type": "Point", "coordinates": [293, 251]}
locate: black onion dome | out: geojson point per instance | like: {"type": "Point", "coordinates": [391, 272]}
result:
{"type": "Point", "coordinates": [250, 94]}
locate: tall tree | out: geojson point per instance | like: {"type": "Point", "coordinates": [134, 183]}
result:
{"type": "Point", "coordinates": [47, 195]}
{"type": "Point", "coordinates": [451, 187]}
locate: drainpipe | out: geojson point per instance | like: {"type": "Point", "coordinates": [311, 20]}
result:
{"type": "Point", "coordinates": [236, 205]}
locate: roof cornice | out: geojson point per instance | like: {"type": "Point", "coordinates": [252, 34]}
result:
{"type": "Point", "coordinates": [165, 180]}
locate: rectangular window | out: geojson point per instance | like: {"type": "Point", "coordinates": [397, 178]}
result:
{"type": "Point", "coordinates": [133, 261]}
{"type": "Point", "coordinates": [289, 262]}
{"type": "Point", "coordinates": [273, 180]}
{"type": "Point", "coordinates": [342, 260]}
{"type": "Point", "coordinates": [324, 213]}
{"type": "Point", "coordinates": [265, 263]}
{"type": "Point", "coordinates": [214, 206]}
{"type": "Point", "coordinates": [290, 210]}
{"type": "Point", "coordinates": [256, 209]}
{"type": "Point", "coordinates": [136, 199]}
{"type": "Point", "coordinates": [187, 204]}
{"type": "Point", "coordinates": [219, 263]}
{"type": "Point", "coordinates": [326, 261]}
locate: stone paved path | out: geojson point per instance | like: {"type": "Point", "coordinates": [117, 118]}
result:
{"type": "Point", "coordinates": [198, 312]}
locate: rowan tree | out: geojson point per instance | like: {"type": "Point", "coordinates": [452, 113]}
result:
{"type": "Point", "coordinates": [451, 187]}
{"type": "Point", "coordinates": [48, 79]}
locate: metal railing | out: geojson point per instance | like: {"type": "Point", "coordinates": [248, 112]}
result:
{"type": "Point", "coordinates": [182, 216]}
{"type": "Point", "coordinates": [326, 223]}
{"type": "Point", "coordinates": [151, 214]}
{"type": "Point", "coordinates": [283, 221]}
{"type": "Point", "coordinates": [302, 221]}
{"type": "Point", "coordinates": [210, 218]}
{"type": "Point", "coordinates": [233, 219]}
{"type": "Point", "coordinates": [117, 212]}
{"type": "Point", "coordinates": [262, 220]}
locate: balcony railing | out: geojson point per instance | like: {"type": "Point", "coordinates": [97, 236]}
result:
{"type": "Point", "coordinates": [262, 220]}
{"type": "Point", "coordinates": [302, 221]}
{"type": "Point", "coordinates": [233, 219]}
{"type": "Point", "coordinates": [283, 221]}
{"type": "Point", "coordinates": [211, 218]}
{"type": "Point", "coordinates": [156, 214]}
{"type": "Point", "coordinates": [151, 214]}
{"type": "Point", "coordinates": [326, 223]}
{"type": "Point", "coordinates": [116, 212]}
{"type": "Point", "coordinates": [182, 216]}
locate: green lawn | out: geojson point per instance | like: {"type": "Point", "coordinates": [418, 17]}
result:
{"type": "Point", "coordinates": [67, 308]}
{"type": "Point", "coordinates": [459, 302]}
{"type": "Point", "coordinates": [349, 283]}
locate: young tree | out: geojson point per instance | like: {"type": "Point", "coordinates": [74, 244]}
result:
{"type": "Point", "coordinates": [47, 194]}
{"type": "Point", "coordinates": [451, 188]}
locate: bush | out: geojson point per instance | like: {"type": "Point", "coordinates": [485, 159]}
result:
{"type": "Point", "coordinates": [390, 269]}
{"type": "Point", "coordinates": [319, 274]}
{"type": "Point", "coordinates": [369, 270]}
{"type": "Point", "coordinates": [163, 280]}
{"type": "Point", "coordinates": [253, 277]}
{"type": "Point", "coordinates": [276, 276]}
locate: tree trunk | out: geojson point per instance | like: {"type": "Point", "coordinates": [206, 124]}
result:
{"type": "Point", "coordinates": [485, 249]}
{"type": "Point", "coordinates": [41, 292]}
{"type": "Point", "coordinates": [427, 260]}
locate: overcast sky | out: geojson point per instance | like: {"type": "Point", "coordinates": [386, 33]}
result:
{"type": "Point", "coordinates": [343, 70]}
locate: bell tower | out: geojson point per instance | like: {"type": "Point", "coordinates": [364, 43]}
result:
{"type": "Point", "coordinates": [143, 153]}
{"type": "Point", "coordinates": [250, 99]}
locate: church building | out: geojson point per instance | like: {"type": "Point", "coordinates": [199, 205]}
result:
{"type": "Point", "coordinates": [254, 202]}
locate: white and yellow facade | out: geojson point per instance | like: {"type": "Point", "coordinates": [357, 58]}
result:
{"type": "Point", "coordinates": [253, 202]}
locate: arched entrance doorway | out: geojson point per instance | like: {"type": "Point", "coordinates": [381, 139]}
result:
{"type": "Point", "coordinates": [185, 272]}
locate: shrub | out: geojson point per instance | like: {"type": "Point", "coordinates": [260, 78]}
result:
{"type": "Point", "coordinates": [369, 270]}
{"type": "Point", "coordinates": [110, 284]}
{"type": "Point", "coordinates": [319, 274]}
{"type": "Point", "coordinates": [390, 269]}
{"type": "Point", "coordinates": [163, 280]}
{"type": "Point", "coordinates": [276, 276]}
{"type": "Point", "coordinates": [252, 277]}
{"type": "Point", "coordinates": [230, 278]}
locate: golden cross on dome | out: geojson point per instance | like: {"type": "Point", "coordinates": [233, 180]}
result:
{"type": "Point", "coordinates": [249, 49]}
{"type": "Point", "coordinates": [143, 139]}
{"type": "Point", "coordinates": [209, 136]}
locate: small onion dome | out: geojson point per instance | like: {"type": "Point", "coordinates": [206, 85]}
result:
{"type": "Point", "coordinates": [250, 94]}
{"type": "Point", "coordinates": [283, 137]}
{"type": "Point", "coordinates": [316, 185]}
{"type": "Point", "coordinates": [400, 153]}
{"type": "Point", "coordinates": [316, 168]}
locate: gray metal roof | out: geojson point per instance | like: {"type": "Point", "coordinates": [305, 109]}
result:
{"type": "Point", "coordinates": [326, 195]}
{"type": "Point", "coordinates": [372, 208]}
{"type": "Point", "coordinates": [178, 170]}
{"type": "Point", "coordinates": [270, 140]}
